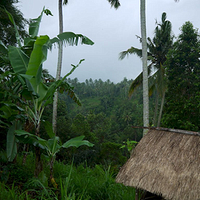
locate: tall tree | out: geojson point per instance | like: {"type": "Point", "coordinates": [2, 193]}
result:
{"type": "Point", "coordinates": [7, 31]}
{"type": "Point", "coordinates": [158, 48]}
{"type": "Point", "coordinates": [115, 4]}
{"type": "Point", "coordinates": [144, 65]}
{"type": "Point", "coordinates": [182, 108]}
{"type": "Point", "coordinates": [59, 63]}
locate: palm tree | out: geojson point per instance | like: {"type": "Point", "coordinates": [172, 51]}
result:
{"type": "Point", "coordinates": [144, 64]}
{"type": "Point", "coordinates": [115, 4]}
{"type": "Point", "coordinates": [157, 51]}
{"type": "Point", "coordinates": [59, 64]}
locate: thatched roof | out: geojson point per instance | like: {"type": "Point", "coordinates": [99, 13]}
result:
{"type": "Point", "coordinates": [165, 163]}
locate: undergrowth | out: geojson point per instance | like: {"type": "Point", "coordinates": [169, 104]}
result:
{"type": "Point", "coordinates": [73, 183]}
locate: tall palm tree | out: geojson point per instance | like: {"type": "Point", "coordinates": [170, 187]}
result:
{"type": "Point", "coordinates": [144, 66]}
{"type": "Point", "coordinates": [115, 4]}
{"type": "Point", "coordinates": [59, 64]}
{"type": "Point", "coordinates": [157, 51]}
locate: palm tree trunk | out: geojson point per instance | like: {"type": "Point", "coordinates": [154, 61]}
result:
{"type": "Point", "coordinates": [155, 110]}
{"type": "Point", "coordinates": [161, 109]}
{"type": "Point", "coordinates": [59, 66]}
{"type": "Point", "coordinates": [144, 64]}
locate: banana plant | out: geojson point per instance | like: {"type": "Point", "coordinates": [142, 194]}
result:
{"type": "Point", "coordinates": [26, 62]}
{"type": "Point", "coordinates": [51, 146]}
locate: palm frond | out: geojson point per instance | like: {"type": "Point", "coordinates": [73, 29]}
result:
{"type": "Point", "coordinates": [138, 81]}
{"type": "Point", "coordinates": [134, 85]}
{"type": "Point", "coordinates": [114, 3]}
{"type": "Point", "coordinates": [161, 81]}
{"type": "Point", "coordinates": [65, 2]}
{"type": "Point", "coordinates": [138, 37]}
{"type": "Point", "coordinates": [152, 83]}
{"type": "Point", "coordinates": [70, 39]}
{"type": "Point", "coordinates": [132, 50]}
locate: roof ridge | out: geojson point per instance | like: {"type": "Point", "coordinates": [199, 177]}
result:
{"type": "Point", "coordinates": [169, 130]}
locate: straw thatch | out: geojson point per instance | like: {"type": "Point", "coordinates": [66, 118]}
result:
{"type": "Point", "coordinates": [165, 163]}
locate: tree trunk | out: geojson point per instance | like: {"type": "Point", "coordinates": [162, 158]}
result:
{"type": "Point", "coordinates": [26, 148]}
{"type": "Point", "coordinates": [55, 185]}
{"type": "Point", "coordinates": [161, 109]}
{"type": "Point", "coordinates": [144, 64]}
{"type": "Point", "coordinates": [155, 110]}
{"type": "Point", "coordinates": [136, 194]}
{"type": "Point", "coordinates": [59, 66]}
{"type": "Point", "coordinates": [38, 161]}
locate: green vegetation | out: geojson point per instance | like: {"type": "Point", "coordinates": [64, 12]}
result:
{"type": "Point", "coordinates": [7, 31]}
{"type": "Point", "coordinates": [22, 109]}
{"type": "Point", "coordinates": [36, 163]}
{"type": "Point", "coordinates": [73, 182]}
{"type": "Point", "coordinates": [182, 108]}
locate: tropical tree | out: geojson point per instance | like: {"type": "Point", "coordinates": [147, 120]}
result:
{"type": "Point", "coordinates": [158, 48]}
{"type": "Point", "coordinates": [26, 62]}
{"type": "Point", "coordinates": [115, 4]}
{"type": "Point", "coordinates": [182, 106]}
{"type": "Point", "coordinates": [51, 146]}
{"type": "Point", "coordinates": [7, 31]}
{"type": "Point", "coordinates": [144, 66]}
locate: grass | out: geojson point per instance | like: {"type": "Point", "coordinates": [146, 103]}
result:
{"type": "Point", "coordinates": [97, 183]}
{"type": "Point", "coordinates": [74, 183]}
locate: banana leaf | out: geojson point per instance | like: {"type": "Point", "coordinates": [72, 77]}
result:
{"type": "Point", "coordinates": [77, 142]}
{"type": "Point", "coordinates": [11, 146]}
{"type": "Point", "coordinates": [18, 59]}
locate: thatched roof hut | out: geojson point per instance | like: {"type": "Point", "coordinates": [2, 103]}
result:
{"type": "Point", "coordinates": [165, 163]}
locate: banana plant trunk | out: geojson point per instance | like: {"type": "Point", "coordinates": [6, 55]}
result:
{"type": "Point", "coordinates": [59, 66]}
{"type": "Point", "coordinates": [144, 64]}
{"type": "Point", "coordinates": [38, 161]}
{"type": "Point", "coordinates": [55, 185]}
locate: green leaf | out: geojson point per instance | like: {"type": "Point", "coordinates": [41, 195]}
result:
{"type": "Point", "coordinates": [49, 129]}
{"type": "Point", "coordinates": [39, 75]}
{"type": "Point", "coordinates": [15, 27]}
{"type": "Point", "coordinates": [132, 50]}
{"type": "Point", "coordinates": [77, 142]}
{"type": "Point", "coordinates": [35, 25]}
{"type": "Point", "coordinates": [38, 55]}
{"type": "Point", "coordinates": [28, 138]}
{"type": "Point", "coordinates": [137, 82]}
{"type": "Point", "coordinates": [28, 77]}
{"type": "Point", "coordinates": [19, 60]}
{"type": "Point", "coordinates": [11, 146]}
{"type": "Point", "coordinates": [9, 110]}
{"type": "Point", "coordinates": [50, 92]}
{"type": "Point", "coordinates": [3, 48]}
{"type": "Point", "coordinates": [114, 3]}
{"type": "Point", "coordinates": [70, 39]}
{"type": "Point", "coordinates": [53, 146]}
{"type": "Point", "coordinates": [48, 12]}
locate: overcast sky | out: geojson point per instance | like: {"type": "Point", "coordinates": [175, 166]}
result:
{"type": "Point", "coordinates": [111, 30]}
